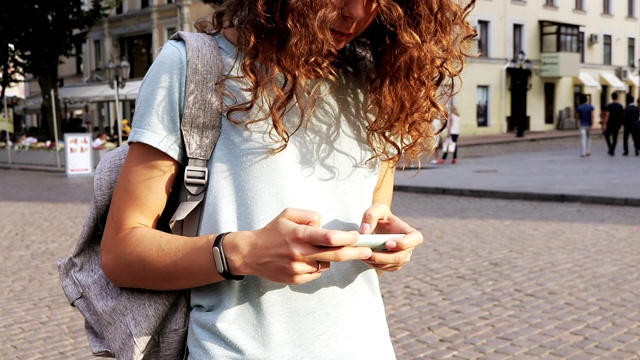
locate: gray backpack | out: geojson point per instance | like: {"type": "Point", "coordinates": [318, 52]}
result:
{"type": "Point", "coordinates": [144, 324]}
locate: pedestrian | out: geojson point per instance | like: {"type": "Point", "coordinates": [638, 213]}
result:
{"type": "Point", "coordinates": [101, 142]}
{"type": "Point", "coordinates": [107, 130]}
{"type": "Point", "coordinates": [453, 130]}
{"type": "Point", "coordinates": [86, 118]}
{"type": "Point", "coordinates": [631, 118]}
{"type": "Point", "coordinates": [584, 114]}
{"type": "Point", "coordinates": [320, 105]}
{"type": "Point", "coordinates": [437, 125]}
{"type": "Point", "coordinates": [126, 129]}
{"type": "Point", "coordinates": [614, 113]}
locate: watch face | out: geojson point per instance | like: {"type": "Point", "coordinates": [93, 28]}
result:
{"type": "Point", "coordinates": [221, 261]}
{"type": "Point", "coordinates": [218, 261]}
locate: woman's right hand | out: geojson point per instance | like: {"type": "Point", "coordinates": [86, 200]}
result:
{"type": "Point", "coordinates": [291, 248]}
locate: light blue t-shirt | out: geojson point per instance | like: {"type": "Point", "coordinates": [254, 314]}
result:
{"type": "Point", "coordinates": [324, 168]}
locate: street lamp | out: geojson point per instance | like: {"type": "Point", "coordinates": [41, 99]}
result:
{"type": "Point", "coordinates": [117, 76]}
{"type": "Point", "coordinates": [519, 71]}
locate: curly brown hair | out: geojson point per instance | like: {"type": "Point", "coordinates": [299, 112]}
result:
{"type": "Point", "coordinates": [414, 51]}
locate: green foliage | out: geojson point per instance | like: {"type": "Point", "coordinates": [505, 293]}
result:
{"type": "Point", "coordinates": [36, 34]}
{"type": "Point", "coordinates": [42, 31]}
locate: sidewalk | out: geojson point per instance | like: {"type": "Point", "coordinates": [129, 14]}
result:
{"type": "Point", "coordinates": [541, 166]}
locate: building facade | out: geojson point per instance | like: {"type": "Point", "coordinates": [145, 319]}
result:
{"type": "Point", "coordinates": [134, 31]}
{"type": "Point", "coordinates": [536, 56]}
{"type": "Point", "coordinates": [534, 59]}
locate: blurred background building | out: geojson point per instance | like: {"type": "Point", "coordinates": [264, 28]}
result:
{"type": "Point", "coordinates": [134, 31]}
{"type": "Point", "coordinates": [537, 56]}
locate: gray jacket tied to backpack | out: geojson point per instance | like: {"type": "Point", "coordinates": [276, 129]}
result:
{"type": "Point", "coordinates": [135, 323]}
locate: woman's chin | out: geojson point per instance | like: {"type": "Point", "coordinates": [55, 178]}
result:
{"type": "Point", "coordinates": [339, 44]}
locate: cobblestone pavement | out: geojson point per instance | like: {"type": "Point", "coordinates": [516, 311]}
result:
{"type": "Point", "coordinates": [496, 279]}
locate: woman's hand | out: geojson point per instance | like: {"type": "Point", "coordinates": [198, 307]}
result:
{"type": "Point", "coordinates": [379, 219]}
{"type": "Point", "coordinates": [291, 249]}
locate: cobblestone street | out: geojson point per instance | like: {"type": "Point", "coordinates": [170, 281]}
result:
{"type": "Point", "coordinates": [496, 279]}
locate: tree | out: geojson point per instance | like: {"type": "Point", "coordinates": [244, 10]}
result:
{"type": "Point", "coordinates": [11, 65]}
{"type": "Point", "coordinates": [37, 35]}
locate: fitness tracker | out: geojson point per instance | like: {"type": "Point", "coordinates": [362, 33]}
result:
{"type": "Point", "coordinates": [221, 261]}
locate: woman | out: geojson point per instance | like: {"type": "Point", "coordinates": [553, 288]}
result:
{"type": "Point", "coordinates": [453, 131]}
{"type": "Point", "coordinates": [321, 100]}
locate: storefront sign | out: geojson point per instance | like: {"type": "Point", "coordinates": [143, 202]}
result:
{"type": "Point", "coordinates": [78, 154]}
{"type": "Point", "coordinates": [559, 64]}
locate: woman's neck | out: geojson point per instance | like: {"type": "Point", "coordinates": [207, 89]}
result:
{"type": "Point", "coordinates": [231, 34]}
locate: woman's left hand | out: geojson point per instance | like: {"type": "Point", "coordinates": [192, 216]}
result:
{"type": "Point", "coordinates": [378, 219]}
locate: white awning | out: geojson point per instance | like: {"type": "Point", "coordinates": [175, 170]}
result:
{"type": "Point", "coordinates": [613, 81]}
{"type": "Point", "coordinates": [634, 80]}
{"type": "Point", "coordinates": [588, 80]}
{"type": "Point", "coordinates": [86, 93]}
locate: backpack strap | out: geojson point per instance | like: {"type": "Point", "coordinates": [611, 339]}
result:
{"type": "Point", "coordinates": [201, 124]}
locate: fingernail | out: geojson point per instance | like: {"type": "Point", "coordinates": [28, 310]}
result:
{"type": "Point", "coordinates": [368, 253]}
{"type": "Point", "coordinates": [365, 228]}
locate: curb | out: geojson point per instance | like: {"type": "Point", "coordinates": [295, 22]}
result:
{"type": "Point", "coordinates": [521, 195]}
{"type": "Point", "coordinates": [31, 167]}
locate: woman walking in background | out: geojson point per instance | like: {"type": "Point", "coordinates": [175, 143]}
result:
{"type": "Point", "coordinates": [453, 130]}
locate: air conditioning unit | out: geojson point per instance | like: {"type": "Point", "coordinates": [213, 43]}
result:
{"type": "Point", "coordinates": [593, 38]}
{"type": "Point", "coordinates": [623, 73]}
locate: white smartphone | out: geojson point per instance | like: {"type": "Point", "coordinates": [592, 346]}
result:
{"type": "Point", "coordinates": [375, 241]}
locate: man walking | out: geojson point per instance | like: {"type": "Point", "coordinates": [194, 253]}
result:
{"type": "Point", "coordinates": [631, 117]}
{"type": "Point", "coordinates": [614, 113]}
{"type": "Point", "coordinates": [584, 115]}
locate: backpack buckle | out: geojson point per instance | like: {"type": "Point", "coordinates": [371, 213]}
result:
{"type": "Point", "coordinates": [196, 175]}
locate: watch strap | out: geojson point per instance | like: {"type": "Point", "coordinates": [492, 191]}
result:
{"type": "Point", "coordinates": [220, 260]}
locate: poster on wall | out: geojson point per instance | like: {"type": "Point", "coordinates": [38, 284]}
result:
{"type": "Point", "coordinates": [78, 154]}
{"type": "Point", "coordinates": [6, 122]}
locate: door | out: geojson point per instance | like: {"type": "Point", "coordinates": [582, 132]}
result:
{"type": "Point", "coordinates": [549, 102]}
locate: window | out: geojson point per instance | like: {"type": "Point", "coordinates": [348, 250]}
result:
{"type": "Point", "coordinates": [631, 52]}
{"type": "Point", "coordinates": [581, 45]}
{"type": "Point", "coordinates": [79, 57]}
{"type": "Point", "coordinates": [606, 7]}
{"type": "Point", "coordinates": [549, 102]}
{"type": "Point", "coordinates": [550, 3]}
{"type": "Point", "coordinates": [169, 1]}
{"type": "Point", "coordinates": [170, 31]}
{"type": "Point", "coordinates": [137, 50]}
{"type": "Point", "coordinates": [97, 55]}
{"type": "Point", "coordinates": [144, 4]}
{"type": "Point", "coordinates": [606, 49]}
{"type": "Point", "coordinates": [517, 39]}
{"type": "Point", "coordinates": [119, 9]}
{"type": "Point", "coordinates": [557, 37]}
{"type": "Point", "coordinates": [482, 108]}
{"type": "Point", "coordinates": [483, 38]}
{"type": "Point", "coordinates": [579, 5]}
{"type": "Point", "coordinates": [568, 37]}
{"type": "Point", "coordinates": [631, 8]}
{"type": "Point", "coordinates": [604, 94]}
{"type": "Point", "coordinates": [577, 91]}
